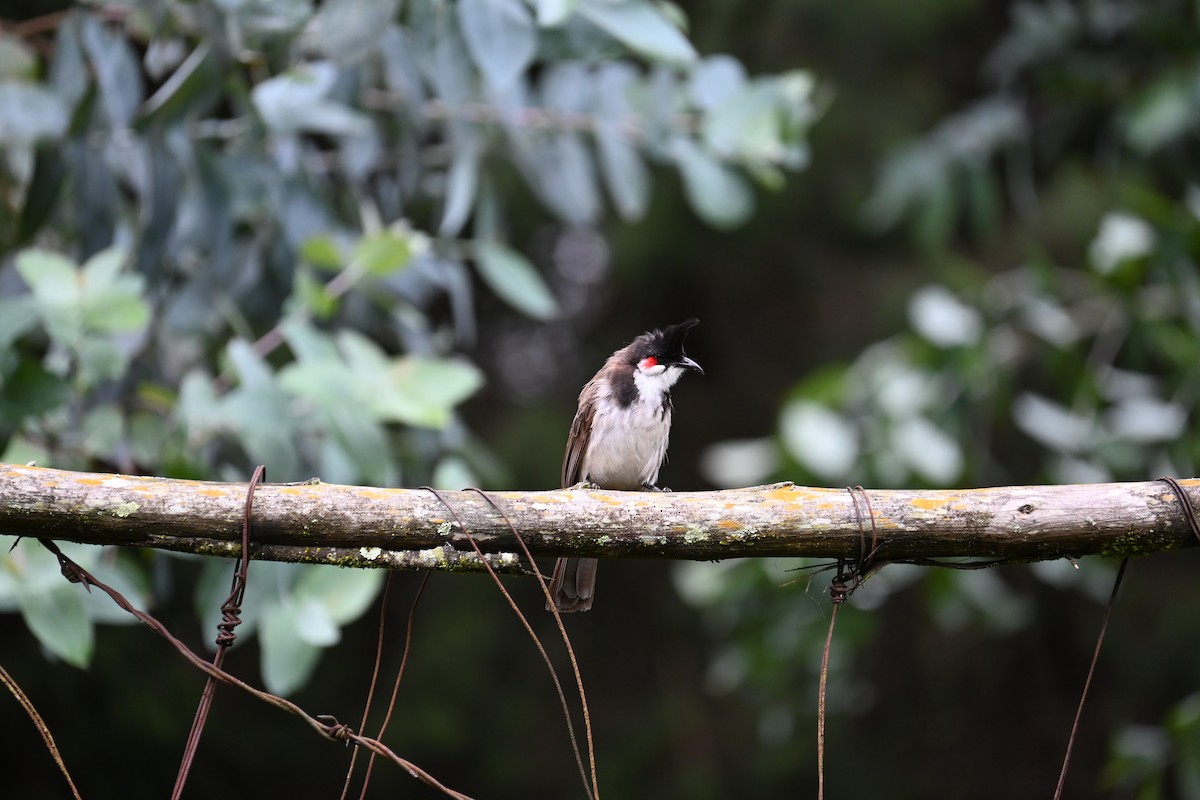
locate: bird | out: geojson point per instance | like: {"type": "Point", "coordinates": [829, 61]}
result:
{"type": "Point", "coordinates": [619, 436]}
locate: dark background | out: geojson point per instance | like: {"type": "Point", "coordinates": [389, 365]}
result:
{"type": "Point", "coordinates": [918, 708]}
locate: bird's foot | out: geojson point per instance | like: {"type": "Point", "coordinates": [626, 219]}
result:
{"type": "Point", "coordinates": [649, 487]}
{"type": "Point", "coordinates": [585, 486]}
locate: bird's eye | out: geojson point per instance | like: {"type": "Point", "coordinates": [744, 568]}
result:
{"type": "Point", "coordinates": [648, 362]}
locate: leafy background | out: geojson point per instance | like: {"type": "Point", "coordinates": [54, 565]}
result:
{"type": "Point", "coordinates": [931, 244]}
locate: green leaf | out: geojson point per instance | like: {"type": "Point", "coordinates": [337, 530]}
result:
{"type": "Point", "coordinates": [452, 473]}
{"type": "Point", "coordinates": [17, 315]}
{"type": "Point", "coordinates": [192, 84]}
{"type": "Point", "coordinates": [57, 618]}
{"type": "Point", "coordinates": [357, 383]}
{"type": "Point", "coordinates": [348, 30]}
{"type": "Point", "coordinates": [441, 53]}
{"type": "Point", "coordinates": [1162, 114]}
{"type": "Point", "coordinates": [198, 409]}
{"type": "Point", "coordinates": [69, 76]}
{"type": "Point", "coordinates": [357, 432]}
{"type": "Point", "coordinates": [819, 438]}
{"type": "Point", "coordinates": [514, 280]}
{"type": "Point", "coordinates": [383, 253]}
{"type": "Point", "coordinates": [715, 79]}
{"type": "Point", "coordinates": [54, 282]}
{"type": "Point", "coordinates": [44, 191]}
{"type": "Point", "coordinates": [251, 369]}
{"type": "Point", "coordinates": [461, 184]}
{"type": "Point", "coordinates": [96, 298]}
{"type": "Point", "coordinates": [161, 196]}
{"type": "Point", "coordinates": [310, 343]}
{"type": "Point", "coordinates": [313, 295]}
{"type": "Point", "coordinates": [625, 174]}
{"type": "Point", "coordinates": [400, 72]}
{"type": "Point", "coordinates": [567, 86]}
{"type": "Point", "coordinates": [500, 37]}
{"type": "Point", "coordinates": [640, 26]}
{"type": "Point", "coordinates": [17, 60]}
{"type": "Point", "coordinates": [746, 124]}
{"type": "Point", "coordinates": [29, 113]}
{"type": "Point", "coordinates": [424, 390]}
{"type": "Point", "coordinates": [715, 191]}
{"type": "Point", "coordinates": [103, 428]}
{"type": "Point", "coordinates": [621, 165]}
{"type": "Point", "coordinates": [296, 101]}
{"type": "Point", "coordinates": [321, 373]}
{"type": "Point", "coordinates": [21, 450]}
{"type": "Point", "coordinates": [551, 13]}
{"type": "Point", "coordinates": [345, 593]}
{"type": "Point", "coordinates": [287, 660]}
{"type": "Point", "coordinates": [99, 359]}
{"type": "Point", "coordinates": [335, 465]}
{"type": "Point", "coordinates": [314, 624]}
{"type": "Point", "coordinates": [327, 382]}
{"type": "Point", "coordinates": [112, 301]}
{"type": "Point", "coordinates": [931, 453]}
{"type": "Point", "coordinates": [116, 68]}
{"type": "Point", "coordinates": [31, 390]}
{"type": "Point", "coordinates": [148, 435]}
{"type": "Point", "coordinates": [29, 568]}
{"type": "Point", "coordinates": [322, 252]}
{"type": "Point", "coordinates": [568, 179]}
{"type": "Point", "coordinates": [122, 573]}
{"type": "Point", "coordinates": [260, 397]}
{"type": "Point", "coordinates": [361, 355]}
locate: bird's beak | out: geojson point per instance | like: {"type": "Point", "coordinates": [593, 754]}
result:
{"type": "Point", "coordinates": [687, 363]}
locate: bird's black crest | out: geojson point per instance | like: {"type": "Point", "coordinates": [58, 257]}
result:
{"type": "Point", "coordinates": [665, 344]}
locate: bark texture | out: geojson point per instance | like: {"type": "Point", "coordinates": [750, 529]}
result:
{"type": "Point", "coordinates": [411, 528]}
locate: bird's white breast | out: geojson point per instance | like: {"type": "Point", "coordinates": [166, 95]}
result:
{"type": "Point", "coordinates": [628, 443]}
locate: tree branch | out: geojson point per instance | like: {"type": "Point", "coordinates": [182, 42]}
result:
{"type": "Point", "coordinates": [410, 528]}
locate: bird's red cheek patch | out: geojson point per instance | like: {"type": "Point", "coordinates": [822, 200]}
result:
{"type": "Point", "coordinates": [647, 363]}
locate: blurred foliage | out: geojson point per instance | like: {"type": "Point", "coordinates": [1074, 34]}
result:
{"type": "Point", "coordinates": [1154, 762]}
{"type": "Point", "coordinates": [1058, 340]}
{"type": "Point", "coordinates": [376, 242]}
{"type": "Point", "coordinates": [275, 204]}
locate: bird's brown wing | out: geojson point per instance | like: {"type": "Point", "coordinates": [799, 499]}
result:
{"type": "Point", "coordinates": [577, 441]}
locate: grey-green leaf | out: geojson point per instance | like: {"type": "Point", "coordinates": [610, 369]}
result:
{"type": "Point", "coordinates": [345, 593]}
{"type": "Point", "coordinates": [715, 191]}
{"type": "Point", "coordinates": [501, 38]}
{"type": "Point", "coordinates": [349, 30]}
{"type": "Point", "coordinates": [54, 281]}
{"type": "Point", "coordinates": [59, 621]}
{"type": "Point", "coordinates": [296, 101]}
{"type": "Point", "coordinates": [117, 70]}
{"type": "Point", "coordinates": [17, 60]}
{"type": "Point", "coordinates": [640, 26]}
{"type": "Point", "coordinates": [568, 179]}
{"type": "Point", "coordinates": [29, 113]}
{"type": "Point", "coordinates": [716, 78]}
{"type": "Point", "coordinates": [287, 660]}
{"type": "Point", "coordinates": [461, 184]}
{"type": "Point", "coordinates": [625, 175]}
{"type": "Point", "coordinates": [621, 165]}
{"type": "Point", "coordinates": [422, 391]}
{"type": "Point", "coordinates": [551, 13]}
{"type": "Point", "coordinates": [745, 124]}
{"type": "Point", "coordinates": [440, 53]}
{"type": "Point", "coordinates": [514, 280]}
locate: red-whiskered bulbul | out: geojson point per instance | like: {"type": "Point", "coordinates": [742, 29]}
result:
{"type": "Point", "coordinates": [619, 437]}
